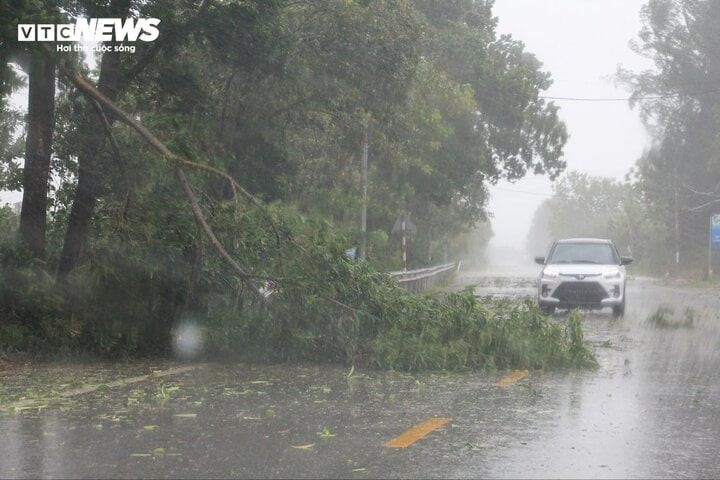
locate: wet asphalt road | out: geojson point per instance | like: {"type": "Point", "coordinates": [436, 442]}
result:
{"type": "Point", "coordinates": [652, 409]}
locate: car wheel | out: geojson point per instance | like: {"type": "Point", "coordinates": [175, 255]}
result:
{"type": "Point", "coordinates": [619, 310]}
{"type": "Point", "coordinates": [547, 309]}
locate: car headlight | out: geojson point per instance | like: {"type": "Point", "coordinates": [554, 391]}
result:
{"type": "Point", "coordinates": [549, 272]}
{"type": "Point", "coordinates": [612, 273]}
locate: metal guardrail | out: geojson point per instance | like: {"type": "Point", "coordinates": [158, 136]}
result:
{"type": "Point", "coordinates": [424, 278]}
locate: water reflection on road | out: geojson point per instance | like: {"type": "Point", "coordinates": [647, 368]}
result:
{"type": "Point", "coordinates": [651, 409]}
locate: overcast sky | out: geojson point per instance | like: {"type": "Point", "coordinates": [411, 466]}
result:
{"type": "Point", "coordinates": [581, 43]}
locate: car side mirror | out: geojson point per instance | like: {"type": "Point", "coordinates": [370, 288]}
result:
{"type": "Point", "coordinates": [626, 260]}
{"type": "Point", "coordinates": [540, 260]}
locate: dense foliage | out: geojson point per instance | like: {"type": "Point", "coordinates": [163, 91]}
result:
{"type": "Point", "coordinates": [325, 307]}
{"type": "Point", "coordinates": [283, 98]}
{"type": "Point", "coordinates": [661, 212]}
{"type": "Point", "coordinates": [587, 206]}
{"type": "Point", "coordinates": [679, 177]}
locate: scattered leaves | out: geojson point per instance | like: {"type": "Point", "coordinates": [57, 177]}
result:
{"type": "Point", "coordinates": [303, 447]}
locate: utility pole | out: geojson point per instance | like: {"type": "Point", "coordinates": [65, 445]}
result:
{"type": "Point", "coordinates": [677, 221]}
{"type": "Point", "coordinates": [363, 216]}
{"type": "Point", "coordinates": [403, 242]}
{"type": "Point", "coordinates": [710, 242]}
{"type": "Point", "coordinates": [429, 257]}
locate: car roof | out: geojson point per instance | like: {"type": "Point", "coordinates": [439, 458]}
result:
{"type": "Point", "coordinates": [584, 240]}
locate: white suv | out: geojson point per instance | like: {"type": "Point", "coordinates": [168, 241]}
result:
{"type": "Point", "coordinates": [582, 273]}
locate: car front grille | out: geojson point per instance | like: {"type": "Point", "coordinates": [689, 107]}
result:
{"type": "Point", "coordinates": [580, 293]}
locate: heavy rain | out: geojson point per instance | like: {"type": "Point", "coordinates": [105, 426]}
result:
{"type": "Point", "coordinates": [359, 239]}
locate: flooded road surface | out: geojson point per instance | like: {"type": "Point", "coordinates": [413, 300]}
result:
{"type": "Point", "coordinates": [652, 409]}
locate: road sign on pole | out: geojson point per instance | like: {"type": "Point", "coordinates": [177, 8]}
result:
{"type": "Point", "coordinates": [714, 240]}
{"type": "Point", "coordinates": [403, 226]}
{"type": "Point", "coordinates": [715, 232]}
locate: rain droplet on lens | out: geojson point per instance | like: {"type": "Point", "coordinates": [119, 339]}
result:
{"type": "Point", "coordinates": [188, 340]}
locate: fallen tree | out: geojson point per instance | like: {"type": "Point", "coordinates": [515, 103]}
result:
{"type": "Point", "coordinates": [325, 307]}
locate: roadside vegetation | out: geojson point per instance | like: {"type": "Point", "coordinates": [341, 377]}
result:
{"type": "Point", "coordinates": [214, 178]}
{"type": "Point", "coordinates": [321, 306]}
{"type": "Point", "coordinates": [665, 317]}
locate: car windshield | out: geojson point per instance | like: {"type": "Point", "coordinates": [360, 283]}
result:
{"type": "Point", "coordinates": [600, 253]}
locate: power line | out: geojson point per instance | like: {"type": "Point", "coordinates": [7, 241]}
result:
{"type": "Point", "coordinates": [580, 99]}
{"type": "Point", "coordinates": [537, 194]}
{"type": "Point", "coordinates": [522, 191]}
{"type": "Point", "coordinates": [626, 99]}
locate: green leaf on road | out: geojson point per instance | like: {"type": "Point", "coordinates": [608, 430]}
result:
{"type": "Point", "coordinates": [303, 447]}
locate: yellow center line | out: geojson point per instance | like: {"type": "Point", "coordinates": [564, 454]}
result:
{"type": "Point", "coordinates": [511, 378]}
{"type": "Point", "coordinates": [417, 432]}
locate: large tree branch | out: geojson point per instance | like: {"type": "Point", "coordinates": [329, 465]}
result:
{"type": "Point", "coordinates": [237, 187]}
{"type": "Point", "coordinates": [118, 156]}
{"type": "Point", "coordinates": [702, 206]}
{"type": "Point", "coordinates": [200, 218]}
{"type": "Point", "coordinates": [88, 89]}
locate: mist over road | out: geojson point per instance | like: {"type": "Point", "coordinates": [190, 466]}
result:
{"type": "Point", "coordinates": [652, 409]}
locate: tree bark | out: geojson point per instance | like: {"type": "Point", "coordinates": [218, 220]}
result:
{"type": "Point", "coordinates": [91, 164]}
{"type": "Point", "coordinates": [85, 87]}
{"type": "Point", "coordinates": [38, 151]}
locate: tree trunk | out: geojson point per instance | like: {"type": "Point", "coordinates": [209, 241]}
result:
{"type": "Point", "coordinates": [91, 164]}
{"type": "Point", "coordinates": [38, 150]}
